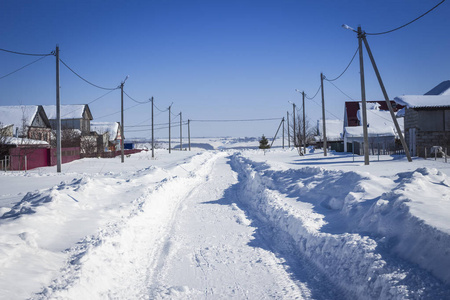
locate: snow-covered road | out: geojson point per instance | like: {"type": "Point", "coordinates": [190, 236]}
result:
{"type": "Point", "coordinates": [224, 225]}
{"type": "Point", "coordinates": [186, 238]}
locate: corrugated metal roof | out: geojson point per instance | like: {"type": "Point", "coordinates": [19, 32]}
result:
{"type": "Point", "coordinates": [424, 101]}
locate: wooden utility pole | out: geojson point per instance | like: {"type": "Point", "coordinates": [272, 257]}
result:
{"type": "Point", "coordinates": [363, 98]}
{"type": "Point", "coordinates": [153, 132]}
{"type": "Point", "coordinates": [293, 116]}
{"type": "Point", "coordinates": [281, 123]}
{"type": "Point", "coordinates": [189, 134]}
{"type": "Point", "coordinates": [181, 133]}
{"type": "Point", "coordinates": [170, 150]}
{"type": "Point", "coordinates": [386, 98]}
{"type": "Point", "coordinates": [121, 123]}
{"type": "Point", "coordinates": [288, 130]}
{"type": "Point", "coordinates": [304, 124]}
{"type": "Point", "coordinates": [283, 134]}
{"type": "Point", "coordinates": [323, 118]}
{"type": "Point", "coordinates": [58, 115]}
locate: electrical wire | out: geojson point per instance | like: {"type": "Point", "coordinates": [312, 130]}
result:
{"type": "Point", "coordinates": [24, 67]}
{"type": "Point", "coordinates": [159, 108]}
{"type": "Point", "coordinates": [314, 94]}
{"type": "Point", "coordinates": [404, 25]}
{"type": "Point", "coordinates": [118, 112]}
{"type": "Point", "coordinates": [85, 80]}
{"type": "Point", "coordinates": [341, 91]}
{"type": "Point", "coordinates": [140, 102]}
{"type": "Point", "coordinates": [354, 55]}
{"type": "Point", "coordinates": [326, 110]}
{"type": "Point", "coordinates": [68, 113]}
{"type": "Point", "coordinates": [29, 54]}
{"type": "Point", "coordinates": [246, 120]}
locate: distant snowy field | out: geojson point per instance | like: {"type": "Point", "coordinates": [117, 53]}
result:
{"type": "Point", "coordinates": [225, 221]}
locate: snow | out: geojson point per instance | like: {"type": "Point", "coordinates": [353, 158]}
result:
{"type": "Point", "coordinates": [333, 127]}
{"type": "Point", "coordinates": [22, 141]}
{"type": "Point", "coordinates": [103, 127]}
{"type": "Point", "coordinates": [423, 101]}
{"type": "Point", "coordinates": [379, 123]}
{"type": "Point", "coordinates": [69, 111]}
{"type": "Point", "coordinates": [227, 224]}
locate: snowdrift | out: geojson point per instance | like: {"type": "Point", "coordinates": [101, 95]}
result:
{"type": "Point", "coordinates": [357, 228]}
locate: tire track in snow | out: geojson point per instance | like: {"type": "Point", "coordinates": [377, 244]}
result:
{"type": "Point", "coordinates": [215, 235]}
{"type": "Point", "coordinates": [114, 262]}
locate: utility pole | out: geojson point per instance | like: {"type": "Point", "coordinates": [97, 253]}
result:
{"type": "Point", "coordinates": [293, 115]}
{"type": "Point", "coordinates": [181, 133]}
{"type": "Point", "coordinates": [304, 124]}
{"type": "Point", "coordinates": [363, 98]}
{"type": "Point", "coordinates": [58, 115]}
{"type": "Point", "coordinates": [386, 98]}
{"type": "Point", "coordinates": [121, 120]}
{"type": "Point", "coordinates": [189, 134]}
{"type": "Point", "coordinates": [274, 138]}
{"type": "Point", "coordinates": [283, 134]}
{"type": "Point", "coordinates": [153, 132]}
{"type": "Point", "coordinates": [170, 107]}
{"type": "Point", "coordinates": [288, 130]}
{"type": "Point", "coordinates": [323, 118]}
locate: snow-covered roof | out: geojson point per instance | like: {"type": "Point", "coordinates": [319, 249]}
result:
{"type": "Point", "coordinates": [424, 101]}
{"type": "Point", "coordinates": [18, 115]}
{"type": "Point", "coordinates": [357, 131]}
{"type": "Point", "coordinates": [333, 128]}
{"type": "Point", "coordinates": [379, 123]}
{"type": "Point", "coordinates": [70, 111]}
{"type": "Point", "coordinates": [102, 127]}
{"type": "Point", "coordinates": [23, 141]}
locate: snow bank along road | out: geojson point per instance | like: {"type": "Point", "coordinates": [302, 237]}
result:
{"type": "Point", "coordinates": [220, 225]}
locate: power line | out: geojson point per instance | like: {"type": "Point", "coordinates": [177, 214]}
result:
{"type": "Point", "coordinates": [160, 109]}
{"type": "Point", "coordinates": [404, 25]}
{"type": "Point", "coordinates": [245, 120]}
{"type": "Point", "coordinates": [140, 102]}
{"type": "Point", "coordinates": [90, 102]}
{"type": "Point", "coordinates": [354, 55]}
{"type": "Point", "coordinates": [29, 54]}
{"type": "Point", "coordinates": [117, 112]}
{"type": "Point", "coordinates": [341, 90]}
{"type": "Point", "coordinates": [24, 67]}
{"type": "Point", "coordinates": [85, 80]}
{"type": "Point", "coordinates": [325, 109]}
{"type": "Point", "coordinates": [314, 94]}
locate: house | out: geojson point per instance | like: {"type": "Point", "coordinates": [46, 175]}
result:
{"type": "Point", "coordinates": [427, 119]}
{"type": "Point", "coordinates": [334, 133]}
{"type": "Point", "coordinates": [110, 133]}
{"type": "Point", "coordinates": [381, 128]}
{"type": "Point", "coordinates": [76, 116]}
{"type": "Point", "coordinates": [25, 121]}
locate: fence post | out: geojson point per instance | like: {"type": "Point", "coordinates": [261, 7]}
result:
{"type": "Point", "coordinates": [25, 163]}
{"type": "Point", "coordinates": [353, 150]}
{"type": "Point", "coordinates": [425, 152]}
{"type": "Point", "coordinates": [445, 154]}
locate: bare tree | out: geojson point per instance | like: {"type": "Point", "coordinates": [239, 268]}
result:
{"type": "Point", "coordinates": [299, 140]}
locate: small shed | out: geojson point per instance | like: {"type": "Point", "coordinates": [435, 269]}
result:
{"type": "Point", "coordinates": [427, 119]}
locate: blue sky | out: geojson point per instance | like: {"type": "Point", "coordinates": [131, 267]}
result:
{"type": "Point", "coordinates": [217, 59]}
